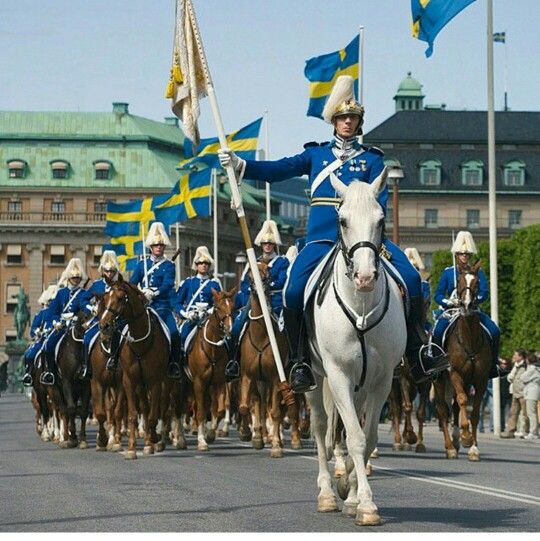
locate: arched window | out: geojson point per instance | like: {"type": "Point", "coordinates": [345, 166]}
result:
{"type": "Point", "coordinates": [60, 168]}
{"type": "Point", "coordinates": [17, 168]}
{"type": "Point", "coordinates": [472, 173]}
{"type": "Point", "coordinates": [103, 170]}
{"type": "Point", "coordinates": [430, 172]}
{"type": "Point", "coordinates": [514, 173]}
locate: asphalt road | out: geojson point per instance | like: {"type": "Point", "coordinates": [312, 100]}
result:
{"type": "Point", "coordinates": [235, 488]}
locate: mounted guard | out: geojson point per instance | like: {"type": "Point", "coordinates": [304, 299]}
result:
{"type": "Point", "coordinates": [155, 276]}
{"type": "Point", "coordinates": [269, 240]}
{"type": "Point", "coordinates": [345, 159]}
{"type": "Point", "coordinates": [447, 299]}
{"type": "Point", "coordinates": [416, 261]}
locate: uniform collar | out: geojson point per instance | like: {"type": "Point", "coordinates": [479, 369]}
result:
{"type": "Point", "coordinates": [156, 259]}
{"type": "Point", "coordinates": [269, 257]}
{"type": "Point", "coordinates": [73, 288]}
{"type": "Point", "coordinates": [202, 276]}
{"type": "Point", "coordinates": [345, 145]}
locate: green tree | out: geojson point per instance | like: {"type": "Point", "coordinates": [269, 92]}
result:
{"type": "Point", "coordinates": [441, 259]}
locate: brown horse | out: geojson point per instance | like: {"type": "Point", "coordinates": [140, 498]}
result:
{"type": "Point", "coordinates": [206, 360]}
{"type": "Point", "coordinates": [259, 381]}
{"type": "Point", "coordinates": [469, 353]}
{"type": "Point", "coordinates": [144, 358]}
{"type": "Point", "coordinates": [69, 389]}
{"type": "Point", "coordinates": [40, 401]}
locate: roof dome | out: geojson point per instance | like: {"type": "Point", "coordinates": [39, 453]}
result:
{"type": "Point", "coordinates": [409, 87]}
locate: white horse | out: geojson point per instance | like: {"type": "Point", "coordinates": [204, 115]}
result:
{"type": "Point", "coordinates": [352, 380]}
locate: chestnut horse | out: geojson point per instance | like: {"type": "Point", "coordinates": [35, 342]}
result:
{"type": "Point", "coordinates": [469, 353]}
{"type": "Point", "coordinates": [206, 360]}
{"type": "Point", "coordinates": [259, 380]}
{"type": "Point", "coordinates": [143, 358]}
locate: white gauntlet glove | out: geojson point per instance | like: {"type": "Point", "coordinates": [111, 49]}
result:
{"type": "Point", "coordinates": [57, 325]}
{"type": "Point", "coordinates": [228, 157]}
{"type": "Point", "coordinates": [192, 316]}
{"type": "Point", "coordinates": [148, 293]}
{"type": "Point", "coordinates": [67, 316]}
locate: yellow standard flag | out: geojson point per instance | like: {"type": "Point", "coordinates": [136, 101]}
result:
{"type": "Point", "coordinates": [187, 82]}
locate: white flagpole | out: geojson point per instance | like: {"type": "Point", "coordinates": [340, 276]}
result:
{"type": "Point", "coordinates": [145, 263]}
{"type": "Point", "coordinates": [237, 201]}
{"type": "Point", "coordinates": [493, 274]}
{"type": "Point", "coordinates": [361, 71]}
{"type": "Point", "coordinates": [177, 262]}
{"type": "Point", "coordinates": [215, 190]}
{"type": "Point", "coordinates": [267, 157]}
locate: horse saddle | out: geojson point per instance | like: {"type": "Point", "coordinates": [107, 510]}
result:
{"type": "Point", "coordinates": [452, 325]}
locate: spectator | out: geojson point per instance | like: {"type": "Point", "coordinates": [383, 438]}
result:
{"type": "Point", "coordinates": [518, 402]}
{"type": "Point", "coordinates": [506, 396]}
{"type": "Point", "coordinates": [531, 393]}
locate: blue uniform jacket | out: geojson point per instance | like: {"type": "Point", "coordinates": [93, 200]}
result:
{"type": "Point", "coordinates": [185, 296]}
{"type": "Point", "coordinates": [67, 300]}
{"type": "Point", "coordinates": [40, 320]}
{"type": "Point", "coordinates": [322, 222]}
{"type": "Point", "coordinates": [160, 280]}
{"type": "Point", "coordinates": [426, 291]}
{"type": "Point", "coordinates": [447, 285]}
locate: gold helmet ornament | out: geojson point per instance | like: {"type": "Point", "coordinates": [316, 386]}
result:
{"type": "Point", "coordinates": [48, 294]}
{"type": "Point", "coordinates": [268, 233]}
{"type": "Point", "coordinates": [342, 101]}
{"type": "Point", "coordinates": [464, 244]}
{"type": "Point", "coordinates": [414, 257]}
{"type": "Point", "coordinates": [202, 255]}
{"type": "Point", "coordinates": [75, 269]}
{"type": "Point", "coordinates": [157, 235]}
{"type": "Point", "coordinates": [108, 261]}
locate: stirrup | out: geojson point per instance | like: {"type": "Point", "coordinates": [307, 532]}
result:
{"type": "Point", "coordinates": [47, 378]}
{"type": "Point", "coordinates": [112, 364]}
{"type": "Point", "coordinates": [301, 378]}
{"type": "Point", "coordinates": [27, 380]}
{"type": "Point", "coordinates": [82, 372]}
{"type": "Point", "coordinates": [174, 371]}
{"type": "Point", "coordinates": [232, 370]}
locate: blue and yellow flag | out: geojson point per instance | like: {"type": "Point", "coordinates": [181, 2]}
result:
{"type": "Point", "coordinates": [499, 37]}
{"type": "Point", "coordinates": [430, 16]}
{"type": "Point", "coordinates": [322, 72]}
{"type": "Point", "coordinates": [242, 141]}
{"type": "Point", "coordinates": [189, 198]}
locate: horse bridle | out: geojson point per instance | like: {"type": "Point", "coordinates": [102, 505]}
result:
{"type": "Point", "coordinates": [460, 292]}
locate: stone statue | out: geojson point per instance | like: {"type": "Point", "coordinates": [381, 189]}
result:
{"type": "Point", "coordinates": [21, 315]}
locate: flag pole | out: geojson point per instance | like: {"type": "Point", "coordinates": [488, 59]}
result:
{"type": "Point", "coordinates": [267, 157]}
{"type": "Point", "coordinates": [145, 263]}
{"type": "Point", "coordinates": [215, 222]}
{"type": "Point", "coordinates": [237, 201]}
{"type": "Point", "coordinates": [177, 261]}
{"type": "Point", "coordinates": [493, 274]}
{"type": "Point", "coordinates": [361, 72]}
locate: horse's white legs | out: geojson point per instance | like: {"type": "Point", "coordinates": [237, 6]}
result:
{"type": "Point", "coordinates": [201, 439]}
{"type": "Point", "coordinates": [326, 501]}
{"type": "Point", "coordinates": [339, 468]}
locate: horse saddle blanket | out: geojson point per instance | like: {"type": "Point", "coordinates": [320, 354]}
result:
{"type": "Point", "coordinates": [320, 278]}
{"type": "Point", "coordinates": [452, 324]}
{"type": "Point", "coordinates": [189, 339]}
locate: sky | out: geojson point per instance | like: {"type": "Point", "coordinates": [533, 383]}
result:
{"type": "Point", "coordinates": [82, 55]}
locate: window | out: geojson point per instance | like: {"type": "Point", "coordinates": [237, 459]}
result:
{"type": "Point", "coordinates": [58, 209]}
{"type": "Point", "coordinates": [98, 250]}
{"type": "Point", "coordinates": [11, 335]}
{"type": "Point", "coordinates": [58, 254]}
{"type": "Point", "coordinates": [514, 218]}
{"type": "Point", "coordinates": [472, 173]}
{"type": "Point", "coordinates": [431, 218]}
{"type": "Point", "coordinates": [514, 173]}
{"type": "Point", "coordinates": [103, 170]}
{"type": "Point", "coordinates": [100, 210]}
{"type": "Point", "coordinates": [14, 254]}
{"type": "Point", "coordinates": [430, 172]}
{"type": "Point", "coordinates": [17, 168]}
{"type": "Point", "coordinates": [60, 169]}
{"type": "Point", "coordinates": [15, 210]}
{"type": "Point", "coordinates": [12, 291]}
{"type": "Point", "coordinates": [473, 218]}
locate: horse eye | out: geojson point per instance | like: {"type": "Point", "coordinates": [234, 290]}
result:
{"type": "Point", "coordinates": [343, 222]}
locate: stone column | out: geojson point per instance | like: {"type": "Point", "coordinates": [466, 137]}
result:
{"type": "Point", "coordinates": [35, 281]}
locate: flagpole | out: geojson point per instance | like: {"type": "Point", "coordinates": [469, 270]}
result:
{"type": "Point", "coordinates": [177, 261]}
{"type": "Point", "coordinates": [493, 274]}
{"type": "Point", "coordinates": [267, 157]}
{"type": "Point", "coordinates": [237, 201]}
{"type": "Point", "coordinates": [505, 74]}
{"type": "Point", "coordinates": [215, 222]}
{"type": "Point", "coordinates": [145, 264]}
{"type": "Point", "coordinates": [361, 71]}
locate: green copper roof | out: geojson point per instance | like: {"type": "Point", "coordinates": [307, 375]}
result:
{"type": "Point", "coordinates": [409, 88]}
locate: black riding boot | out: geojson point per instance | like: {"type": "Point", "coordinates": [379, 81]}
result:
{"type": "Point", "coordinates": [112, 362]}
{"type": "Point", "coordinates": [301, 376]}
{"type": "Point", "coordinates": [494, 371]}
{"type": "Point", "coordinates": [83, 371]}
{"type": "Point", "coordinates": [47, 378]}
{"type": "Point", "coordinates": [424, 362]}
{"type": "Point", "coordinates": [173, 370]}
{"type": "Point", "coordinates": [28, 368]}
{"type": "Point", "coordinates": [232, 370]}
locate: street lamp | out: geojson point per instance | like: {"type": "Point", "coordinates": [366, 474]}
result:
{"type": "Point", "coordinates": [395, 175]}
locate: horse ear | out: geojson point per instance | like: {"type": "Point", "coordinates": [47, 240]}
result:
{"type": "Point", "coordinates": [339, 186]}
{"type": "Point", "coordinates": [215, 294]}
{"type": "Point", "coordinates": [476, 266]}
{"type": "Point", "coordinates": [120, 278]}
{"type": "Point", "coordinates": [232, 292]}
{"type": "Point", "coordinates": [379, 184]}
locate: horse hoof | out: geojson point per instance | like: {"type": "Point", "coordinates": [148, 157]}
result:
{"type": "Point", "coordinates": [267, 440]}
{"type": "Point", "coordinates": [406, 447]}
{"type": "Point", "coordinates": [367, 519]}
{"type": "Point", "coordinates": [420, 448]}
{"type": "Point", "coordinates": [45, 438]}
{"type": "Point", "coordinates": [159, 447]}
{"type": "Point", "coordinates": [202, 447]}
{"type": "Point", "coordinates": [451, 454]}
{"type": "Point", "coordinates": [343, 487]}
{"type": "Point", "coordinates": [369, 470]}
{"type": "Point", "coordinates": [467, 441]}
{"type": "Point", "coordinates": [410, 438]}
{"type": "Point", "coordinates": [257, 443]}
{"type": "Point", "coordinates": [116, 447]}
{"type": "Point", "coordinates": [375, 453]}
{"type": "Point", "coordinates": [130, 455]}
{"type": "Point", "coordinates": [245, 436]}
{"type": "Point", "coordinates": [100, 448]}
{"type": "Point", "coordinates": [276, 452]}
{"type": "Point", "coordinates": [148, 450]}
{"type": "Point", "coordinates": [180, 444]}
{"type": "Point", "coordinates": [339, 472]}
{"type": "Point", "coordinates": [474, 456]}
{"type": "Point", "coordinates": [296, 444]}
{"type": "Point", "coordinates": [397, 447]}
{"type": "Point", "coordinates": [83, 445]}
{"type": "Point", "coordinates": [327, 504]}
{"type": "Point", "coordinates": [211, 436]}
{"type": "Point", "coordinates": [349, 510]}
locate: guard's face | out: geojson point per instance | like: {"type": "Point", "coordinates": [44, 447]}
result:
{"type": "Point", "coordinates": [346, 125]}
{"type": "Point", "coordinates": [157, 249]}
{"type": "Point", "coordinates": [75, 281]}
{"type": "Point", "coordinates": [267, 247]}
{"type": "Point", "coordinates": [463, 259]}
{"type": "Point", "coordinates": [202, 267]}
{"type": "Point", "coordinates": [108, 274]}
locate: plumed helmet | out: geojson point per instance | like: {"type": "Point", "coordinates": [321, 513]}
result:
{"type": "Point", "coordinates": [75, 269]}
{"type": "Point", "coordinates": [414, 257]}
{"type": "Point", "coordinates": [342, 101]}
{"type": "Point", "coordinates": [202, 255]}
{"type": "Point", "coordinates": [108, 261]}
{"type": "Point", "coordinates": [268, 233]}
{"type": "Point", "coordinates": [48, 294]}
{"type": "Point", "coordinates": [464, 244]}
{"type": "Point", "coordinates": [292, 252]}
{"type": "Point", "coordinates": [157, 235]}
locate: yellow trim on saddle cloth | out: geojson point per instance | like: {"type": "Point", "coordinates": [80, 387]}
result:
{"type": "Point", "coordinates": [326, 201]}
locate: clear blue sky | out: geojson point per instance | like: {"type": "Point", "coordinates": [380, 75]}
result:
{"type": "Point", "coordinates": [81, 55]}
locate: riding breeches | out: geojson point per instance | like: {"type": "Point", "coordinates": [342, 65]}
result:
{"type": "Point", "coordinates": [51, 342]}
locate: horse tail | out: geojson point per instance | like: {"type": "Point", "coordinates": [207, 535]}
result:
{"type": "Point", "coordinates": [332, 420]}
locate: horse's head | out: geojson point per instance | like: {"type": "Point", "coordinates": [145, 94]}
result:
{"type": "Point", "coordinates": [224, 309]}
{"type": "Point", "coordinates": [361, 229]}
{"type": "Point", "coordinates": [467, 287]}
{"type": "Point", "coordinates": [264, 272]}
{"type": "Point", "coordinates": [81, 319]}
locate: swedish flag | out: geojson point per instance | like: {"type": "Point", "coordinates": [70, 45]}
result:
{"type": "Point", "coordinates": [322, 72]}
{"type": "Point", "coordinates": [242, 141]}
{"type": "Point", "coordinates": [190, 197]}
{"type": "Point", "coordinates": [430, 16]}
